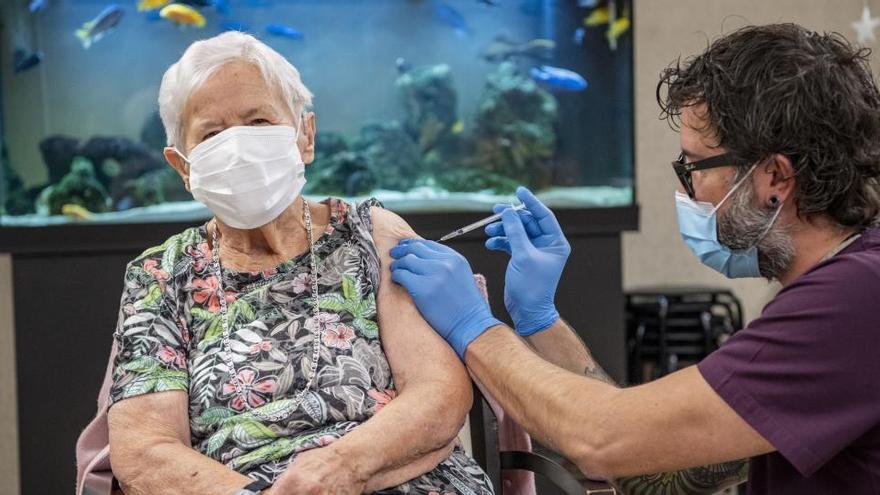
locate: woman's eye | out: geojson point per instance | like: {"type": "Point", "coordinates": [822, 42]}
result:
{"type": "Point", "coordinates": [209, 135]}
{"type": "Point", "coordinates": [259, 122]}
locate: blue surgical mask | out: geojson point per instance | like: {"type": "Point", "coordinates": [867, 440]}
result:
{"type": "Point", "coordinates": [697, 222]}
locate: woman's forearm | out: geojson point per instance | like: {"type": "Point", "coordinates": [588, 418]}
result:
{"type": "Point", "coordinates": [399, 475]}
{"type": "Point", "coordinates": [422, 419]}
{"type": "Point", "coordinates": [169, 467]}
{"type": "Point", "coordinates": [150, 452]}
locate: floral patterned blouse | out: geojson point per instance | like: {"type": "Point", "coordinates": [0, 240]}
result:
{"type": "Point", "coordinates": [169, 338]}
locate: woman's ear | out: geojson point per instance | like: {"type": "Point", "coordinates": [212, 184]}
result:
{"type": "Point", "coordinates": [774, 183]}
{"type": "Point", "coordinates": [177, 163]}
{"type": "Point", "coordinates": [307, 138]}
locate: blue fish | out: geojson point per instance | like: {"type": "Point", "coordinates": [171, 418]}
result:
{"type": "Point", "coordinates": [491, 3]}
{"type": "Point", "coordinates": [94, 30]}
{"type": "Point", "coordinates": [37, 5]}
{"type": "Point", "coordinates": [558, 78]}
{"type": "Point", "coordinates": [579, 35]}
{"type": "Point", "coordinates": [22, 60]}
{"type": "Point", "coordinates": [124, 204]}
{"type": "Point", "coordinates": [403, 65]}
{"type": "Point", "coordinates": [452, 18]}
{"type": "Point", "coordinates": [221, 6]}
{"type": "Point", "coordinates": [234, 26]}
{"type": "Point", "coordinates": [285, 31]}
{"type": "Point", "coordinates": [197, 3]}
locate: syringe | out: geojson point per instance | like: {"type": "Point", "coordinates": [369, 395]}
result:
{"type": "Point", "coordinates": [476, 225]}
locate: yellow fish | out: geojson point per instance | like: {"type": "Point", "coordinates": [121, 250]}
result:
{"type": "Point", "coordinates": [458, 127]}
{"type": "Point", "coordinates": [76, 212]}
{"type": "Point", "coordinates": [182, 14]}
{"type": "Point", "coordinates": [615, 29]}
{"type": "Point", "coordinates": [597, 17]}
{"type": "Point", "coordinates": [151, 4]}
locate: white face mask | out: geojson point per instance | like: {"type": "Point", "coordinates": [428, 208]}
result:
{"type": "Point", "coordinates": [247, 175]}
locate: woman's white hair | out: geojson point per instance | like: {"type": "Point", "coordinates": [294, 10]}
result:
{"type": "Point", "coordinates": [204, 57]}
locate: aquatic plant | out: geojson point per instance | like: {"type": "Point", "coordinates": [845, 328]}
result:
{"type": "Point", "coordinates": [391, 154]}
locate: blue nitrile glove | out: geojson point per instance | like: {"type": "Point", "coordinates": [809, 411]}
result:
{"type": "Point", "coordinates": [442, 285]}
{"type": "Point", "coordinates": [538, 251]}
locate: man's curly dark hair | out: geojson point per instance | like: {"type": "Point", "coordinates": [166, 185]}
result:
{"type": "Point", "coordinates": [780, 88]}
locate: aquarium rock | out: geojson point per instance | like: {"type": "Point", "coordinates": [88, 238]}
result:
{"type": "Point", "coordinates": [58, 152]}
{"type": "Point", "coordinates": [135, 159]}
{"type": "Point", "coordinates": [391, 154]}
{"type": "Point", "coordinates": [346, 173]}
{"type": "Point", "coordinates": [475, 180]}
{"type": "Point", "coordinates": [79, 187]}
{"type": "Point", "coordinates": [514, 130]}
{"type": "Point", "coordinates": [328, 143]}
{"type": "Point", "coordinates": [429, 100]}
{"type": "Point", "coordinates": [15, 198]}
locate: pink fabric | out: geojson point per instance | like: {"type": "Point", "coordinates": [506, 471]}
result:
{"type": "Point", "coordinates": [93, 474]}
{"type": "Point", "coordinates": [511, 436]}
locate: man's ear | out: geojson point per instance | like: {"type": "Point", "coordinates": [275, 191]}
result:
{"type": "Point", "coordinates": [177, 163]}
{"type": "Point", "coordinates": [774, 180]}
{"type": "Point", "coordinates": [307, 137]}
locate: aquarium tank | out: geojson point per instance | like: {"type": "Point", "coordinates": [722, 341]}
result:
{"type": "Point", "coordinates": [427, 105]}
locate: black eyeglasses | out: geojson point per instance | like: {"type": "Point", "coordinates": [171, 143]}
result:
{"type": "Point", "coordinates": [683, 169]}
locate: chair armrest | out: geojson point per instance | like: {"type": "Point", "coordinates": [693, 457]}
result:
{"type": "Point", "coordinates": [559, 471]}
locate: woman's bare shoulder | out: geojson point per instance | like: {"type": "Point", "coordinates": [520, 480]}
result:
{"type": "Point", "coordinates": [389, 227]}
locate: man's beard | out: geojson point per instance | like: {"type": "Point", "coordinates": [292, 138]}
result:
{"type": "Point", "coordinates": [741, 225]}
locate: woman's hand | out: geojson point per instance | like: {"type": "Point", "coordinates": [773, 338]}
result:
{"type": "Point", "coordinates": [320, 471]}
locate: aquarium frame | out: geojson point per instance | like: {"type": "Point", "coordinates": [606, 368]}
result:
{"type": "Point", "coordinates": [125, 237]}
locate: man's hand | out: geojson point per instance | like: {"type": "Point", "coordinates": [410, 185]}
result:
{"type": "Point", "coordinates": [538, 252]}
{"type": "Point", "coordinates": [320, 471]}
{"type": "Point", "coordinates": [442, 285]}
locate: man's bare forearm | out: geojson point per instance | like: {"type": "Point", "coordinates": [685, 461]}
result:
{"type": "Point", "coordinates": [562, 410]}
{"type": "Point", "coordinates": [561, 346]}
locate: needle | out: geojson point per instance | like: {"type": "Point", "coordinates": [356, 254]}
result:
{"type": "Point", "coordinates": [478, 224]}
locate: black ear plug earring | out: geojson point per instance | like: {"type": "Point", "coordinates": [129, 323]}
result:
{"type": "Point", "coordinates": [774, 200]}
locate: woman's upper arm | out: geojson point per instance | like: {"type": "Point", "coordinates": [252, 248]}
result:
{"type": "Point", "coordinates": [149, 389]}
{"type": "Point", "coordinates": [415, 352]}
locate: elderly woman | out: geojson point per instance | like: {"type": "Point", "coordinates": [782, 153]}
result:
{"type": "Point", "coordinates": [261, 351]}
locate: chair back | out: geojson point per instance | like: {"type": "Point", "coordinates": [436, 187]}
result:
{"type": "Point", "coordinates": [93, 474]}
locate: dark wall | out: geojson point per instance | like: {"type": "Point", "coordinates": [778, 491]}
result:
{"type": "Point", "coordinates": [65, 314]}
{"type": "Point", "coordinates": [590, 293]}
{"type": "Point", "coordinates": [68, 282]}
